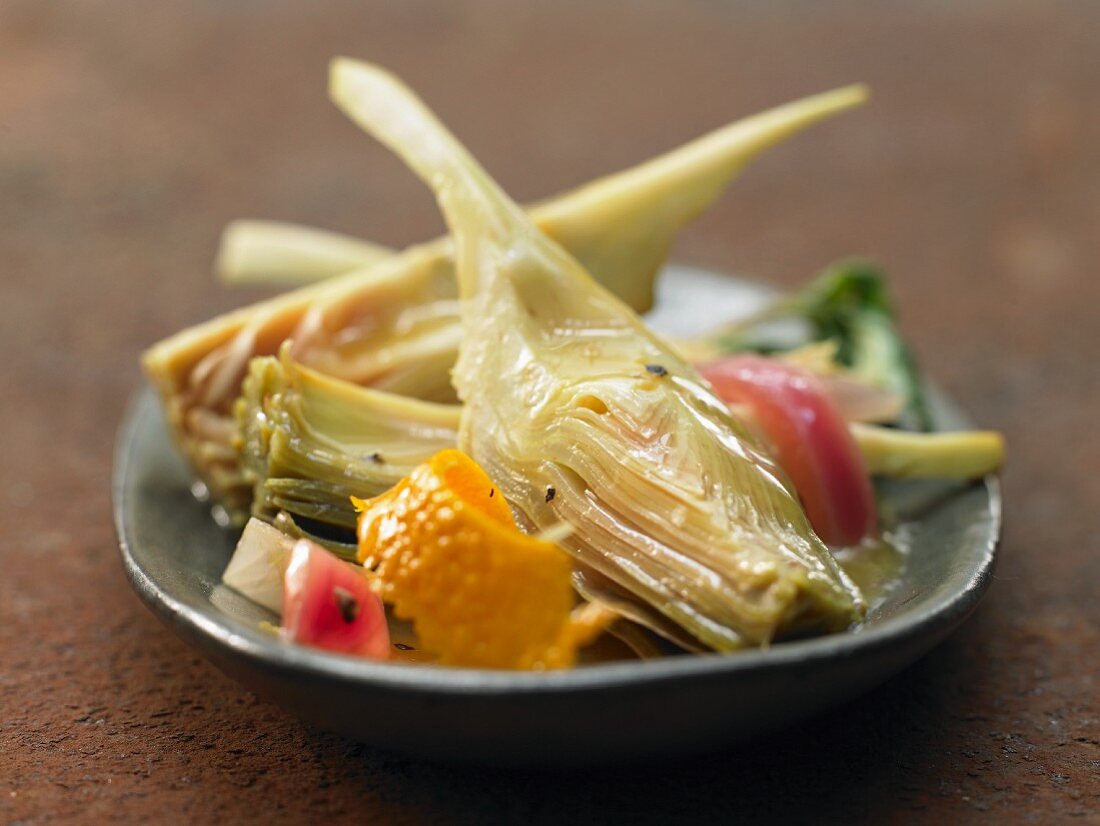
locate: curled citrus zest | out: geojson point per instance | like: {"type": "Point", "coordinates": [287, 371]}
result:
{"type": "Point", "coordinates": [447, 555]}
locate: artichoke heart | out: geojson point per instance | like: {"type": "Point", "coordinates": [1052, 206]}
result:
{"type": "Point", "coordinates": [309, 442]}
{"type": "Point", "coordinates": [583, 415]}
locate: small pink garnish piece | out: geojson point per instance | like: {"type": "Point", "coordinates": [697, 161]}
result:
{"type": "Point", "coordinates": [329, 604]}
{"type": "Point", "coordinates": [808, 437]}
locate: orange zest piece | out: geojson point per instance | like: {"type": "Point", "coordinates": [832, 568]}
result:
{"type": "Point", "coordinates": [479, 592]}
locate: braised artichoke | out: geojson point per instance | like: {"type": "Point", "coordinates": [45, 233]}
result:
{"type": "Point", "coordinates": [394, 324]}
{"type": "Point", "coordinates": [582, 415]}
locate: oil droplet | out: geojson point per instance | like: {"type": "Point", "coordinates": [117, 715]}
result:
{"type": "Point", "coordinates": [200, 491]}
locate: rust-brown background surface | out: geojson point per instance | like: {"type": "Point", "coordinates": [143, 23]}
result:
{"type": "Point", "coordinates": [130, 132]}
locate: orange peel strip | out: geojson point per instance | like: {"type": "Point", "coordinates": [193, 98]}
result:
{"type": "Point", "coordinates": [448, 556]}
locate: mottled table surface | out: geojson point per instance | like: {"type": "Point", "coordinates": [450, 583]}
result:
{"type": "Point", "coordinates": [131, 132]}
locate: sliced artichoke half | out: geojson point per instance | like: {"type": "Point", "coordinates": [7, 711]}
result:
{"type": "Point", "coordinates": [583, 415]}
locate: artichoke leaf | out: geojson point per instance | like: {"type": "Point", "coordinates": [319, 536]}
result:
{"type": "Point", "coordinates": [582, 415]}
{"type": "Point", "coordinates": [276, 252]}
{"type": "Point", "coordinates": [902, 454]}
{"type": "Point", "coordinates": [595, 587]}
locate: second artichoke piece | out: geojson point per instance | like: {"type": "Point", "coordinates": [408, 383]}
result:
{"type": "Point", "coordinates": [581, 414]}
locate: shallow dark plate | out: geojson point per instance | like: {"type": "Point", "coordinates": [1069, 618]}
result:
{"type": "Point", "coordinates": [174, 555]}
